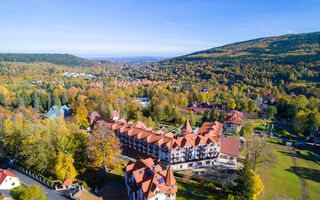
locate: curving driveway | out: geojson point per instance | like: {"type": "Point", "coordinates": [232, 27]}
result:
{"type": "Point", "coordinates": [51, 194]}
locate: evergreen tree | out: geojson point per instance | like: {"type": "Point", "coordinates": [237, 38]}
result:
{"type": "Point", "coordinates": [56, 100]}
{"type": "Point", "coordinates": [213, 115]}
{"type": "Point", "coordinates": [2, 99]}
{"type": "Point", "coordinates": [221, 116]}
{"type": "Point", "coordinates": [192, 119]}
{"type": "Point", "coordinates": [245, 181]}
{"type": "Point", "coordinates": [36, 104]}
{"type": "Point", "coordinates": [35, 101]}
{"type": "Point", "coordinates": [49, 102]}
{"type": "Point", "coordinates": [21, 103]}
{"type": "Point", "coordinates": [64, 99]}
{"type": "Point", "coordinates": [26, 98]}
{"type": "Point", "coordinates": [205, 116]}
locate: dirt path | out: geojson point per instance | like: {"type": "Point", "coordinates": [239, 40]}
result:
{"type": "Point", "coordinates": [304, 187]}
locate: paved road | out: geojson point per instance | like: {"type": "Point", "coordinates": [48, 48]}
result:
{"type": "Point", "coordinates": [51, 194]}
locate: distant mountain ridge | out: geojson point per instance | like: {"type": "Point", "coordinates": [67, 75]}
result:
{"type": "Point", "coordinates": [293, 58]}
{"type": "Point", "coordinates": [60, 59]}
{"type": "Point", "coordinates": [307, 44]}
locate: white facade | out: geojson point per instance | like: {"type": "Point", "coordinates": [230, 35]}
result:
{"type": "Point", "coordinates": [231, 127]}
{"type": "Point", "coordinates": [9, 182]}
{"type": "Point", "coordinates": [227, 160]}
{"type": "Point", "coordinates": [194, 157]}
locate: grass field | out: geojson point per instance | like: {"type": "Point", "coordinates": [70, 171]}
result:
{"type": "Point", "coordinates": [280, 180]}
{"type": "Point", "coordinates": [308, 166]}
{"type": "Point", "coordinates": [190, 190]}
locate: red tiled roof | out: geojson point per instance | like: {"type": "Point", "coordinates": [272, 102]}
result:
{"type": "Point", "coordinates": [234, 117]}
{"type": "Point", "coordinates": [4, 174]}
{"type": "Point", "coordinates": [67, 182]}
{"type": "Point", "coordinates": [230, 146]}
{"type": "Point", "coordinates": [148, 177]}
{"type": "Point", "coordinates": [211, 128]}
{"type": "Point", "coordinates": [211, 131]}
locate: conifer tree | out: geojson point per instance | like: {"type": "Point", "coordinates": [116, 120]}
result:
{"type": "Point", "coordinates": [64, 99]}
{"type": "Point", "coordinates": [213, 115]}
{"type": "Point", "coordinates": [49, 102]}
{"type": "Point", "coordinates": [245, 182]}
{"type": "Point", "coordinates": [205, 116]}
{"type": "Point", "coordinates": [21, 103]}
{"type": "Point", "coordinates": [56, 100]}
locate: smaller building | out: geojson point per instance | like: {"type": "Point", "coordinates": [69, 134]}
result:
{"type": "Point", "coordinates": [99, 85]}
{"type": "Point", "coordinates": [67, 184]}
{"type": "Point", "coordinates": [144, 102]}
{"type": "Point", "coordinates": [233, 121]}
{"type": "Point", "coordinates": [115, 114]}
{"type": "Point", "coordinates": [229, 150]}
{"type": "Point", "coordinates": [198, 107]}
{"type": "Point", "coordinates": [147, 181]}
{"type": "Point", "coordinates": [55, 112]}
{"type": "Point", "coordinates": [8, 180]}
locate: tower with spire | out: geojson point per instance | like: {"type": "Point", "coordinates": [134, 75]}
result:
{"type": "Point", "coordinates": [186, 128]}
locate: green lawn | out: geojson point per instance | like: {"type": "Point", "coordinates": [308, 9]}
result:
{"type": "Point", "coordinates": [279, 178]}
{"type": "Point", "coordinates": [187, 191]}
{"type": "Point", "coordinates": [308, 166]}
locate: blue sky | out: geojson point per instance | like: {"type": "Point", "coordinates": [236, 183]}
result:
{"type": "Point", "coordinates": [102, 28]}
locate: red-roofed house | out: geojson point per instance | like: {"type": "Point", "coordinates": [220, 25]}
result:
{"type": "Point", "coordinates": [8, 180]}
{"type": "Point", "coordinates": [233, 121]}
{"type": "Point", "coordinates": [229, 150]}
{"type": "Point", "coordinates": [115, 114]}
{"type": "Point", "coordinates": [67, 184]}
{"type": "Point", "coordinates": [147, 181]}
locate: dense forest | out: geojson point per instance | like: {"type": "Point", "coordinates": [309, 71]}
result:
{"type": "Point", "coordinates": [285, 61]}
{"type": "Point", "coordinates": [59, 59]}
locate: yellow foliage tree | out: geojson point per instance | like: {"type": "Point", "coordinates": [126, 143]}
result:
{"type": "Point", "coordinates": [231, 104]}
{"type": "Point", "coordinates": [81, 114]}
{"type": "Point", "coordinates": [3, 90]}
{"type": "Point", "coordinates": [103, 146]}
{"type": "Point", "coordinates": [63, 166]}
{"type": "Point", "coordinates": [258, 185]}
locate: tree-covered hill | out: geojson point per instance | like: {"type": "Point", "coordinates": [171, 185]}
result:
{"type": "Point", "coordinates": [287, 49]}
{"type": "Point", "coordinates": [283, 60]}
{"type": "Point", "coordinates": [60, 59]}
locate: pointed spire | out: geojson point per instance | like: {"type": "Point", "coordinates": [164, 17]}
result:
{"type": "Point", "coordinates": [170, 180]}
{"type": "Point", "coordinates": [186, 127]}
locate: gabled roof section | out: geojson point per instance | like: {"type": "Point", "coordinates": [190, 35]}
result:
{"type": "Point", "coordinates": [230, 146]}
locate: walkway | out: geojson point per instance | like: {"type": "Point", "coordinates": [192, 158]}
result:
{"type": "Point", "coordinates": [51, 194]}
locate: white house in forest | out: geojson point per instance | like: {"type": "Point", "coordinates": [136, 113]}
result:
{"type": "Point", "coordinates": [8, 180]}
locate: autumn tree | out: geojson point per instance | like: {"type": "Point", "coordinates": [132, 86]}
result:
{"type": "Point", "coordinates": [33, 192]}
{"type": "Point", "coordinates": [231, 104]}
{"type": "Point", "coordinates": [80, 115]}
{"type": "Point", "coordinates": [63, 166]}
{"type": "Point", "coordinates": [271, 111]}
{"type": "Point", "coordinates": [251, 107]}
{"type": "Point", "coordinates": [257, 151]}
{"type": "Point", "coordinates": [103, 146]}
